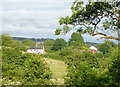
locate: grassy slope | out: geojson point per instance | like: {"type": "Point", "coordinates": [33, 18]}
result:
{"type": "Point", "coordinates": [59, 70]}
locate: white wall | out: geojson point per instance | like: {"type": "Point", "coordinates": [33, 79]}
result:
{"type": "Point", "coordinates": [35, 51]}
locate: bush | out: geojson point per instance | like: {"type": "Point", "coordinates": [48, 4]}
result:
{"type": "Point", "coordinates": [48, 50]}
{"type": "Point", "coordinates": [27, 69]}
{"type": "Point", "coordinates": [114, 72]}
{"type": "Point", "coordinates": [66, 51]}
{"type": "Point", "coordinates": [106, 46]}
{"type": "Point", "coordinates": [107, 55]}
{"type": "Point", "coordinates": [59, 44]}
{"type": "Point", "coordinates": [28, 42]}
{"type": "Point", "coordinates": [99, 54]}
{"type": "Point", "coordinates": [82, 69]}
{"type": "Point", "coordinates": [114, 68]}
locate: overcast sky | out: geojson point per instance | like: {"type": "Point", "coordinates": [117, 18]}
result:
{"type": "Point", "coordinates": [36, 18]}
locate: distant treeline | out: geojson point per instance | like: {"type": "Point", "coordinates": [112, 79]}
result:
{"type": "Point", "coordinates": [43, 39]}
{"type": "Point", "coordinates": [33, 39]}
{"type": "Point", "coordinates": [91, 44]}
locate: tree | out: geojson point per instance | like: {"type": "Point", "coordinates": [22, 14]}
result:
{"type": "Point", "coordinates": [24, 69]}
{"type": "Point", "coordinates": [28, 42]}
{"type": "Point", "coordinates": [114, 67]}
{"type": "Point", "coordinates": [9, 42]}
{"type": "Point", "coordinates": [59, 44]}
{"type": "Point", "coordinates": [66, 51]}
{"type": "Point", "coordinates": [48, 42]}
{"type": "Point", "coordinates": [6, 39]}
{"type": "Point", "coordinates": [82, 69]}
{"type": "Point", "coordinates": [90, 16]}
{"type": "Point", "coordinates": [106, 46]}
{"type": "Point", "coordinates": [76, 40]}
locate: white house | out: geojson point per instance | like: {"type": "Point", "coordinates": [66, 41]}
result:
{"type": "Point", "coordinates": [93, 48]}
{"type": "Point", "coordinates": [36, 49]}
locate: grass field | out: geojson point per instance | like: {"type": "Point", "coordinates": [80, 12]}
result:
{"type": "Point", "coordinates": [59, 70]}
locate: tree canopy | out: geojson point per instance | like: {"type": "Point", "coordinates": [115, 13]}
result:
{"type": "Point", "coordinates": [6, 39]}
{"type": "Point", "coordinates": [48, 42]}
{"type": "Point", "coordinates": [28, 42]}
{"type": "Point", "coordinates": [94, 18]}
{"type": "Point", "coordinates": [76, 40]}
{"type": "Point", "coordinates": [23, 69]}
{"type": "Point", "coordinates": [106, 46]}
{"type": "Point", "coordinates": [59, 44]}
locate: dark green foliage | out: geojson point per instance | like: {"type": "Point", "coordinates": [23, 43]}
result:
{"type": "Point", "coordinates": [59, 44]}
{"type": "Point", "coordinates": [22, 69]}
{"type": "Point", "coordinates": [86, 18]}
{"type": "Point", "coordinates": [86, 69]}
{"type": "Point", "coordinates": [48, 50]}
{"type": "Point", "coordinates": [103, 48]}
{"type": "Point", "coordinates": [106, 46]}
{"type": "Point", "coordinates": [6, 39]}
{"type": "Point", "coordinates": [114, 72]}
{"type": "Point", "coordinates": [81, 69]}
{"type": "Point", "coordinates": [99, 54]}
{"type": "Point", "coordinates": [114, 68]}
{"type": "Point", "coordinates": [76, 40]}
{"type": "Point", "coordinates": [37, 73]}
{"type": "Point", "coordinates": [48, 43]}
{"type": "Point", "coordinates": [107, 55]}
{"type": "Point", "coordinates": [25, 69]}
{"type": "Point", "coordinates": [33, 39]}
{"type": "Point", "coordinates": [66, 51]}
{"type": "Point", "coordinates": [17, 45]}
{"type": "Point", "coordinates": [28, 42]}
{"type": "Point", "coordinates": [77, 57]}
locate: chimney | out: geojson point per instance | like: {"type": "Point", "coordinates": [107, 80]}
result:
{"type": "Point", "coordinates": [36, 44]}
{"type": "Point", "coordinates": [93, 51]}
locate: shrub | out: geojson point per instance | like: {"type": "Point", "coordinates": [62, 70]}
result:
{"type": "Point", "coordinates": [59, 44]}
{"type": "Point", "coordinates": [27, 69]}
{"type": "Point", "coordinates": [107, 55]}
{"type": "Point", "coordinates": [82, 69]}
{"type": "Point", "coordinates": [114, 68]}
{"type": "Point", "coordinates": [66, 51]}
{"type": "Point", "coordinates": [99, 54]}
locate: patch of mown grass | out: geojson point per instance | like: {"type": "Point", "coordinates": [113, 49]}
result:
{"type": "Point", "coordinates": [55, 56]}
{"type": "Point", "coordinates": [58, 69]}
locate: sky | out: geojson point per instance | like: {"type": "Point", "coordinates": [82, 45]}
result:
{"type": "Point", "coordinates": [36, 18]}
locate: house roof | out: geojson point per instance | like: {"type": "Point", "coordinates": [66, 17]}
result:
{"type": "Point", "coordinates": [92, 47]}
{"type": "Point", "coordinates": [38, 47]}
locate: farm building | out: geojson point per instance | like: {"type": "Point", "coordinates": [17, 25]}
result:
{"type": "Point", "coordinates": [92, 49]}
{"type": "Point", "coordinates": [36, 49]}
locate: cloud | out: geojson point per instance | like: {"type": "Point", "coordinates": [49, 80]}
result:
{"type": "Point", "coordinates": [36, 0]}
{"type": "Point", "coordinates": [36, 18]}
{"type": "Point", "coordinates": [32, 22]}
